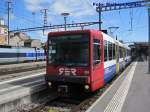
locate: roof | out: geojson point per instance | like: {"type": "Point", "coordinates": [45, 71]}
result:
{"type": "Point", "coordinates": [30, 40]}
{"type": "Point", "coordinates": [3, 26]}
{"type": "Point", "coordinates": [69, 32]}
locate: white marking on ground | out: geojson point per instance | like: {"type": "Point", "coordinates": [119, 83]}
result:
{"type": "Point", "coordinates": [21, 85]}
{"type": "Point", "coordinates": [98, 100]}
{"type": "Point", "coordinates": [24, 77]}
{"type": "Point", "coordinates": [13, 95]}
{"type": "Point", "coordinates": [116, 104]}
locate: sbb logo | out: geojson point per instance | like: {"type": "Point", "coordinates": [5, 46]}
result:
{"type": "Point", "coordinates": [67, 71]}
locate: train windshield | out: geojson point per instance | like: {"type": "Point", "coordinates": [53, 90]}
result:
{"type": "Point", "coordinates": [69, 50]}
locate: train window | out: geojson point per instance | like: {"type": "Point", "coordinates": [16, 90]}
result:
{"type": "Point", "coordinates": [123, 51]}
{"type": "Point", "coordinates": [105, 51]}
{"type": "Point", "coordinates": [114, 51]}
{"type": "Point", "coordinates": [126, 52]}
{"type": "Point", "coordinates": [110, 50]}
{"type": "Point", "coordinates": [117, 52]}
{"type": "Point", "coordinates": [96, 51]}
{"type": "Point", "coordinates": [69, 50]}
{"type": "Point", "coordinates": [120, 52]}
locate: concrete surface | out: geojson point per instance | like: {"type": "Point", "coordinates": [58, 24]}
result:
{"type": "Point", "coordinates": [20, 90]}
{"type": "Point", "coordinates": [102, 102]}
{"type": "Point", "coordinates": [24, 75]}
{"type": "Point", "coordinates": [138, 98]}
{"type": "Point", "coordinates": [129, 93]}
{"type": "Point", "coordinates": [15, 68]}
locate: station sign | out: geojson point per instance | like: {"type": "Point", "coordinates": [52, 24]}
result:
{"type": "Point", "coordinates": [131, 4]}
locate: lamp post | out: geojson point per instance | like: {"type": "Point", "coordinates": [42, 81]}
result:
{"type": "Point", "coordinates": [149, 38]}
{"type": "Point", "coordinates": [148, 5]}
{"type": "Point", "coordinates": [65, 19]}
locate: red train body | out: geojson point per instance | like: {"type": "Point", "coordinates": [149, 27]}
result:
{"type": "Point", "coordinates": [76, 58]}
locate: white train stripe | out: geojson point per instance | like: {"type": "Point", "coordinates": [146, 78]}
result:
{"type": "Point", "coordinates": [107, 90]}
{"type": "Point", "coordinates": [109, 63]}
{"type": "Point", "coordinates": [108, 38]}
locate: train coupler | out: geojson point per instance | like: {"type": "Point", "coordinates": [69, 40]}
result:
{"type": "Point", "coordinates": [63, 90]}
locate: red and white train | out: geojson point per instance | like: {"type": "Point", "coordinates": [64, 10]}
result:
{"type": "Point", "coordinates": [87, 59]}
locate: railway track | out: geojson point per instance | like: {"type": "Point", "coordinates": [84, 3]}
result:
{"type": "Point", "coordinates": [54, 103]}
{"type": "Point", "coordinates": [14, 72]}
{"type": "Point", "coordinates": [17, 68]}
{"type": "Point", "coordinates": [44, 101]}
{"type": "Point", "coordinates": [20, 74]}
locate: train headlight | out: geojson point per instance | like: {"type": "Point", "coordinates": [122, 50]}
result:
{"type": "Point", "coordinates": [49, 83]}
{"type": "Point", "coordinates": [86, 87]}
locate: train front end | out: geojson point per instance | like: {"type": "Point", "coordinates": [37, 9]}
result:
{"type": "Point", "coordinates": [68, 60]}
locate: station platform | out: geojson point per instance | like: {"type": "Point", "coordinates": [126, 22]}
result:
{"type": "Point", "coordinates": [20, 67]}
{"type": "Point", "coordinates": [129, 93]}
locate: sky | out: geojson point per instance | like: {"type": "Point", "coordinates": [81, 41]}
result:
{"type": "Point", "coordinates": [28, 13]}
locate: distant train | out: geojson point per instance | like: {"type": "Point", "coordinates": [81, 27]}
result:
{"type": "Point", "coordinates": [15, 54]}
{"type": "Point", "coordinates": [87, 59]}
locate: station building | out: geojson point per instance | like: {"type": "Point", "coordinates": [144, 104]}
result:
{"type": "Point", "coordinates": [140, 49]}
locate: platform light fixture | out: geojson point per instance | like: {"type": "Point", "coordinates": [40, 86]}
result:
{"type": "Point", "coordinates": [149, 36]}
{"type": "Point", "coordinates": [65, 19]}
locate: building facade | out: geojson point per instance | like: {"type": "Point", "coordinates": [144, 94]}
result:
{"type": "Point", "coordinates": [3, 33]}
{"type": "Point", "coordinates": [17, 39]}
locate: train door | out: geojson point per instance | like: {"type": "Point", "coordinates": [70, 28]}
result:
{"type": "Point", "coordinates": [117, 59]}
{"type": "Point", "coordinates": [124, 62]}
{"type": "Point", "coordinates": [98, 69]}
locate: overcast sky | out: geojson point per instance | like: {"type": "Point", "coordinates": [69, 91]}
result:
{"type": "Point", "coordinates": [26, 13]}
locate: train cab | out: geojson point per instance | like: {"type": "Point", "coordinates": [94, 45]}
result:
{"type": "Point", "coordinates": [75, 58]}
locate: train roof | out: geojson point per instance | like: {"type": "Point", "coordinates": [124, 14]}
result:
{"type": "Point", "coordinates": [127, 47]}
{"type": "Point", "coordinates": [105, 36]}
{"type": "Point", "coordinates": [69, 32]}
{"type": "Point", "coordinates": [108, 38]}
